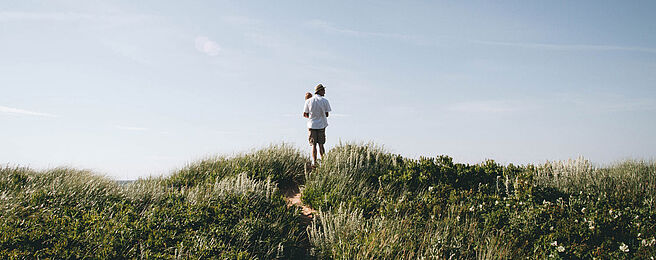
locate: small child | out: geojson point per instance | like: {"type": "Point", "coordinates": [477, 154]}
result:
{"type": "Point", "coordinates": [308, 95]}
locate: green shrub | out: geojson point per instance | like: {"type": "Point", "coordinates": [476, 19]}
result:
{"type": "Point", "coordinates": [385, 205]}
{"type": "Point", "coordinates": [372, 205]}
{"type": "Point", "coordinates": [66, 213]}
{"type": "Point", "coordinates": [282, 163]}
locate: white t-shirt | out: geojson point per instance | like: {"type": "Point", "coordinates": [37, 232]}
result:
{"type": "Point", "coordinates": [317, 106]}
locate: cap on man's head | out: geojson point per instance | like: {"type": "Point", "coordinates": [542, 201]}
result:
{"type": "Point", "coordinates": [319, 88]}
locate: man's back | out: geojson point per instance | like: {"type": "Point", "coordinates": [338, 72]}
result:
{"type": "Point", "coordinates": [317, 107]}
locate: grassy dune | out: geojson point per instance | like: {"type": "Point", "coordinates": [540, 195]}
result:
{"type": "Point", "coordinates": [371, 205]}
{"type": "Point", "coordinates": [215, 208]}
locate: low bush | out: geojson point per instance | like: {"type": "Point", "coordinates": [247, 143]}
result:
{"type": "Point", "coordinates": [283, 163]}
{"type": "Point", "coordinates": [392, 207]}
{"type": "Point", "coordinates": [68, 213]}
{"type": "Point", "coordinates": [371, 205]}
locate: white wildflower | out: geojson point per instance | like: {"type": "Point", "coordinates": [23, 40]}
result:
{"type": "Point", "coordinates": [560, 249]}
{"type": "Point", "coordinates": [649, 243]}
{"type": "Point", "coordinates": [554, 243]}
{"type": "Point", "coordinates": [624, 248]}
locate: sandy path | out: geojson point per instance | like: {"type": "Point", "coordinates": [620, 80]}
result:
{"type": "Point", "coordinates": [293, 198]}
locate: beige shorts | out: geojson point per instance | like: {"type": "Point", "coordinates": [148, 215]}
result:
{"type": "Point", "coordinates": [317, 136]}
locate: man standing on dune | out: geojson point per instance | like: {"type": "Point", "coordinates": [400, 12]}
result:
{"type": "Point", "coordinates": [316, 111]}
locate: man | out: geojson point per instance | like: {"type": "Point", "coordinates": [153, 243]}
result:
{"type": "Point", "coordinates": [316, 111]}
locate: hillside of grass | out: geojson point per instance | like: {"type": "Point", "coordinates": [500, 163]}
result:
{"type": "Point", "coordinates": [370, 204]}
{"type": "Point", "coordinates": [223, 207]}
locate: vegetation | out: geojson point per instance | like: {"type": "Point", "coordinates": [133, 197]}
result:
{"type": "Point", "coordinates": [225, 208]}
{"type": "Point", "coordinates": [371, 204]}
{"type": "Point", "coordinates": [391, 207]}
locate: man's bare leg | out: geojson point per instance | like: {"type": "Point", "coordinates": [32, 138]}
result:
{"type": "Point", "coordinates": [314, 153]}
{"type": "Point", "coordinates": [321, 151]}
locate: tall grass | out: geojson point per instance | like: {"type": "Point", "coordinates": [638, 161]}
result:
{"type": "Point", "coordinates": [282, 163]}
{"type": "Point", "coordinates": [371, 205]}
{"type": "Point", "coordinates": [347, 234]}
{"type": "Point", "coordinates": [625, 181]}
{"type": "Point", "coordinates": [349, 173]}
{"type": "Point", "coordinates": [68, 213]}
{"type": "Point", "coordinates": [379, 205]}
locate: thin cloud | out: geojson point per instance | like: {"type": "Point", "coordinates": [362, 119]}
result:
{"type": "Point", "coordinates": [18, 111]}
{"type": "Point", "coordinates": [568, 47]}
{"type": "Point", "coordinates": [610, 103]}
{"type": "Point", "coordinates": [71, 17]}
{"type": "Point", "coordinates": [631, 106]}
{"type": "Point", "coordinates": [130, 52]}
{"type": "Point", "coordinates": [207, 46]}
{"type": "Point", "coordinates": [328, 27]}
{"type": "Point", "coordinates": [226, 132]}
{"type": "Point", "coordinates": [489, 107]}
{"type": "Point", "coordinates": [598, 103]}
{"type": "Point", "coordinates": [98, 21]}
{"type": "Point", "coordinates": [339, 115]}
{"type": "Point", "coordinates": [241, 20]}
{"type": "Point", "coordinates": [272, 41]}
{"type": "Point", "coordinates": [131, 128]}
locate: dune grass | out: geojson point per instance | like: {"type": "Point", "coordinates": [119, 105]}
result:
{"type": "Point", "coordinates": [68, 213]}
{"type": "Point", "coordinates": [371, 205]}
{"type": "Point", "coordinates": [378, 205]}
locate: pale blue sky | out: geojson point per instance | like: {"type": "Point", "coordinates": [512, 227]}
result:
{"type": "Point", "coordinates": [138, 88]}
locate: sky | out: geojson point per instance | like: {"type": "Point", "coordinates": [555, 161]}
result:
{"type": "Point", "coordinates": [132, 89]}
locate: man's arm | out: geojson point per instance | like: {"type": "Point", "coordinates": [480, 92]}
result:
{"type": "Point", "coordinates": [327, 107]}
